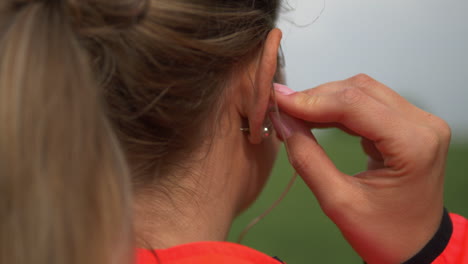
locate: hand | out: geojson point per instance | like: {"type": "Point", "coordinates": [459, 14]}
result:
{"type": "Point", "coordinates": [389, 212]}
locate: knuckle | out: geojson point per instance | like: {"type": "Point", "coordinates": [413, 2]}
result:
{"type": "Point", "coordinates": [444, 129]}
{"type": "Point", "coordinates": [430, 140]}
{"type": "Point", "coordinates": [300, 162]}
{"type": "Point", "coordinates": [441, 127]}
{"type": "Point", "coordinates": [352, 95]}
{"type": "Point", "coordinates": [362, 80]}
{"type": "Point", "coordinates": [307, 100]}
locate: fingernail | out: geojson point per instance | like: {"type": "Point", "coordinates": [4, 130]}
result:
{"type": "Point", "coordinates": [285, 125]}
{"type": "Point", "coordinates": [283, 89]}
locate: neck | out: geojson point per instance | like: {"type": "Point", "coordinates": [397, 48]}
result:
{"type": "Point", "coordinates": [201, 205]}
{"type": "Point", "coordinates": [182, 221]}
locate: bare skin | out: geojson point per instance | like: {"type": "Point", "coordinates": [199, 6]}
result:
{"type": "Point", "coordinates": [389, 212]}
{"type": "Point", "coordinates": [228, 173]}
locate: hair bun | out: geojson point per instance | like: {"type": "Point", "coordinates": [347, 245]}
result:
{"type": "Point", "coordinates": [91, 17]}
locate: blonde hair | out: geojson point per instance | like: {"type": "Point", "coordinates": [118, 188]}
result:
{"type": "Point", "coordinates": [91, 87]}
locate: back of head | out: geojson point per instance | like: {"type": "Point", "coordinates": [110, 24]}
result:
{"type": "Point", "coordinates": [90, 88]}
{"type": "Point", "coordinates": [163, 79]}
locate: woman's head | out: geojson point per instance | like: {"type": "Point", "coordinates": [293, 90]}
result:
{"type": "Point", "coordinates": [164, 78]}
{"type": "Point", "coordinates": [91, 87]}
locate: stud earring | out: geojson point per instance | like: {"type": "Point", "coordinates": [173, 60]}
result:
{"type": "Point", "coordinates": [267, 128]}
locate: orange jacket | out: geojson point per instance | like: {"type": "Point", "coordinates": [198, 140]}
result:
{"type": "Point", "coordinates": [449, 246]}
{"type": "Point", "coordinates": [456, 251]}
{"type": "Point", "coordinates": [205, 253]}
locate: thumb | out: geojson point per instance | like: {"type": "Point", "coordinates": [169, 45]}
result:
{"type": "Point", "coordinates": [307, 157]}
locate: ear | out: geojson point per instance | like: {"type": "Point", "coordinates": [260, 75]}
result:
{"type": "Point", "coordinates": [263, 82]}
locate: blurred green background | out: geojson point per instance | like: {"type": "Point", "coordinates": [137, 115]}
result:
{"type": "Point", "coordinates": [298, 232]}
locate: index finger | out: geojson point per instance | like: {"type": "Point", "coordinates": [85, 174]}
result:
{"type": "Point", "coordinates": [350, 107]}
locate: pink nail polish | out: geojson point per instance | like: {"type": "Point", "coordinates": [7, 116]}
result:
{"type": "Point", "coordinates": [283, 89]}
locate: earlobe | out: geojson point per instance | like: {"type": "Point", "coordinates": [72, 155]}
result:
{"type": "Point", "coordinates": [267, 128]}
{"type": "Point", "coordinates": [263, 84]}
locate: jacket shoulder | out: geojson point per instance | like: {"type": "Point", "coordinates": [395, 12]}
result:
{"type": "Point", "coordinates": [456, 251]}
{"type": "Point", "coordinates": [204, 253]}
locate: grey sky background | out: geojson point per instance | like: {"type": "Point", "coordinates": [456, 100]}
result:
{"type": "Point", "coordinates": [417, 47]}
